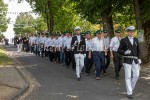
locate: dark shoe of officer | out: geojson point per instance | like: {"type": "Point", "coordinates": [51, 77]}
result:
{"type": "Point", "coordinates": [87, 73]}
{"type": "Point", "coordinates": [117, 77]}
{"type": "Point", "coordinates": [130, 96]}
{"type": "Point", "coordinates": [78, 79]}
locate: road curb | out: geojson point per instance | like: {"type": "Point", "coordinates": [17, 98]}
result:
{"type": "Point", "coordinates": [26, 86]}
{"type": "Point", "coordinates": [24, 89]}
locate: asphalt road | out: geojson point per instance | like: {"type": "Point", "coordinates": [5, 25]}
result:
{"type": "Point", "coordinates": [59, 83]}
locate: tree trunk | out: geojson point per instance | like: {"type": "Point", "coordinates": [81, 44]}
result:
{"type": "Point", "coordinates": [108, 21]}
{"type": "Point", "coordinates": [47, 18]}
{"type": "Point", "coordinates": [51, 21]}
{"type": "Point", "coordinates": [143, 44]}
{"type": "Point", "coordinates": [146, 27]}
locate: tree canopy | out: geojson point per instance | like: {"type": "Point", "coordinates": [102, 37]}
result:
{"type": "Point", "coordinates": [3, 20]}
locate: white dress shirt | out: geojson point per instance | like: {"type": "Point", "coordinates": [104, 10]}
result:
{"type": "Point", "coordinates": [97, 44]}
{"type": "Point", "coordinates": [131, 39]}
{"type": "Point", "coordinates": [78, 38]}
{"type": "Point", "coordinates": [107, 42]}
{"type": "Point", "coordinates": [68, 42]}
{"type": "Point", "coordinates": [115, 43]}
{"type": "Point", "coordinates": [88, 44]}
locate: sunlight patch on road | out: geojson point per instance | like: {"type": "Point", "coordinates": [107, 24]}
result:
{"type": "Point", "coordinates": [73, 96]}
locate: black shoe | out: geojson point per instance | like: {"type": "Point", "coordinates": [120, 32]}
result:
{"type": "Point", "coordinates": [117, 77]}
{"type": "Point", "coordinates": [67, 66]}
{"type": "Point", "coordinates": [88, 74]}
{"type": "Point", "coordinates": [78, 79]}
{"type": "Point", "coordinates": [130, 96]}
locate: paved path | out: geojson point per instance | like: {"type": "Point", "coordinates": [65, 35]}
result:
{"type": "Point", "coordinates": [55, 82]}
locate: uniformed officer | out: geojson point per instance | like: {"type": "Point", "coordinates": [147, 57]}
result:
{"type": "Point", "coordinates": [107, 42]}
{"type": "Point", "coordinates": [67, 49]}
{"type": "Point", "coordinates": [98, 49]}
{"type": "Point", "coordinates": [89, 57]}
{"type": "Point", "coordinates": [117, 59]}
{"type": "Point", "coordinates": [73, 59]}
{"type": "Point", "coordinates": [129, 48]}
{"type": "Point", "coordinates": [78, 45]}
{"type": "Point", "coordinates": [19, 42]}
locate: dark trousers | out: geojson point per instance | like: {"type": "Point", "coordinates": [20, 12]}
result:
{"type": "Point", "coordinates": [51, 54]}
{"type": "Point", "coordinates": [42, 52]}
{"type": "Point", "coordinates": [37, 51]}
{"type": "Point", "coordinates": [117, 59]}
{"type": "Point", "coordinates": [46, 52]}
{"type": "Point", "coordinates": [73, 60]}
{"type": "Point", "coordinates": [32, 49]}
{"type": "Point", "coordinates": [99, 60]}
{"type": "Point", "coordinates": [107, 60]}
{"type": "Point", "coordinates": [57, 56]}
{"type": "Point", "coordinates": [67, 57]}
{"type": "Point", "coordinates": [88, 62]}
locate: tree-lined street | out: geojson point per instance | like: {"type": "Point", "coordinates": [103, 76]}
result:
{"type": "Point", "coordinates": [55, 82]}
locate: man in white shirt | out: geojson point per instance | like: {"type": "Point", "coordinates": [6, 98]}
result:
{"type": "Point", "coordinates": [51, 47]}
{"type": "Point", "coordinates": [37, 42]}
{"type": "Point", "coordinates": [46, 45]}
{"type": "Point", "coordinates": [67, 49]}
{"type": "Point", "coordinates": [42, 43]}
{"type": "Point", "coordinates": [60, 39]}
{"type": "Point", "coordinates": [117, 59]}
{"type": "Point", "coordinates": [89, 56]}
{"type": "Point", "coordinates": [57, 50]}
{"type": "Point", "coordinates": [106, 42]}
{"type": "Point", "coordinates": [98, 49]}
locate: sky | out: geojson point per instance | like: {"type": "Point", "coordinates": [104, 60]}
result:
{"type": "Point", "coordinates": [13, 6]}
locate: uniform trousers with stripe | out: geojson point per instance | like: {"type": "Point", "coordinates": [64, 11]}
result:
{"type": "Point", "coordinates": [79, 59]}
{"type": "Point", "coordinates": [131, 76]}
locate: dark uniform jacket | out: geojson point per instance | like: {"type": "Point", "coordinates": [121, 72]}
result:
{"type": "Point", "coordinates": [78, 47]}
{"type": "Point", "coordinates": [19, 40]}
{"type": "Point", "coordinates": [125, 45]}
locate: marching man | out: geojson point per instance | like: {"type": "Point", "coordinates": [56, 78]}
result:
{"type": "Point", "coordinates": [78, 45]}
{"type": "Point", "coordinates": [129, 48]}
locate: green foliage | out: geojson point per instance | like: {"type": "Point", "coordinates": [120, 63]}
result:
{"type": "Point", "coordinates": [3, 20]}
{"type": "Point", "coordinates": [145, 10]}
{"type": "Point", "coordinates": [40, 24]}
{"type": "Point", "coordinates": [24, 24]}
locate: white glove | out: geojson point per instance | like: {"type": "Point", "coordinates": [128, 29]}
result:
{"type": "Point", "coordinates": [127, 52]}
{"type": "Point", "coordinates": [139, 61]}
{"type": "Point", "coordinates": [84, 55]}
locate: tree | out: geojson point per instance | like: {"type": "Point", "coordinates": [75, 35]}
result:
{"type": "Point", "coordinates": [40, 24]}
{"type": "Point", "coordinates": [25, 23]}
{"type": "Point", "coordinates": [3, 20]}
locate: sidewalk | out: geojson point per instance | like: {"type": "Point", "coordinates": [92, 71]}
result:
{"type": "Point", "coordinates": [11, 82]}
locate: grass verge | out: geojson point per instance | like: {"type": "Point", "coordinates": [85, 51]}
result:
{"type": "Point", "coordinates": [4, 59]}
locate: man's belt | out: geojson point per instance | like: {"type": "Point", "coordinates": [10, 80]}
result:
{"type": "Point", "coordinates": [99, 51]}
{"type": "Point", "coordinates": [133, 57]}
